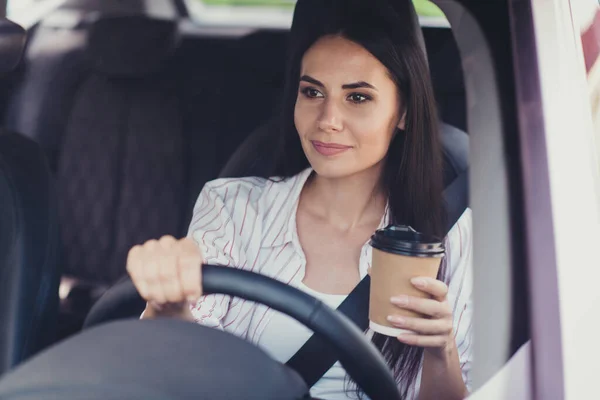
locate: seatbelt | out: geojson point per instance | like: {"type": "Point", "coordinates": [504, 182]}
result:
{"type": "Point", "coordinates": [457, 198]}
{"type": "Point", "coordinates": [315, 357]}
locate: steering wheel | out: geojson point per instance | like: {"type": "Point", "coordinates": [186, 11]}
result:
{"type": "Point", "coordinates": [361, 360]}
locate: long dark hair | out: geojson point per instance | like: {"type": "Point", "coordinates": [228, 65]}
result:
{"type": "Point", "coordinates": [413, 167]}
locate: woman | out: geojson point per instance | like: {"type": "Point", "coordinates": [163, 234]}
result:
{"type": "Point", "coordinates": [358, 150]}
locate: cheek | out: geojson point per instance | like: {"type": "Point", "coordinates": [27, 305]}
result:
{"type": "Point", "coordinates": [374, 134]}
{"type": "Point", "coordinates": [304, 117]}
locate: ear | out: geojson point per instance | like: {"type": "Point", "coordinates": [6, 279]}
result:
{"type": "Point", "coordinates": [402, 123]}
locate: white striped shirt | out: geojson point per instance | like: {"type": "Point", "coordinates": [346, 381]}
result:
{"type": "Point", "coordinates": [250, 223]}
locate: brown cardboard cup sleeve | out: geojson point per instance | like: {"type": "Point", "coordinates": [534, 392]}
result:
{"type": "Point", "coordinates": [399, 254]}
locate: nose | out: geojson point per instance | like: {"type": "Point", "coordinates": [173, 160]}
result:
{"type": "Point", "coordinates": [330, 120]}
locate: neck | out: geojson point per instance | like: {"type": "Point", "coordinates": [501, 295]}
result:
{"type": "Point", "coordinates": [347, 202]}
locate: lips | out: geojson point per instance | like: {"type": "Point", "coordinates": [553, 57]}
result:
{"type": "Point", "coordinates": [329, 149]}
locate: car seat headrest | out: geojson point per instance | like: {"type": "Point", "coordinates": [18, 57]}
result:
{"type": "Point", "coordinates": [131, 46]}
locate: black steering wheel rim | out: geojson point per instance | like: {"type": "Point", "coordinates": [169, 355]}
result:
{"type": "Point", "coordinates": [361, 360]}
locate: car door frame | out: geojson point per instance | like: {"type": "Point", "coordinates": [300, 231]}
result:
{"type": "Point", "coordinates": [531, 104]}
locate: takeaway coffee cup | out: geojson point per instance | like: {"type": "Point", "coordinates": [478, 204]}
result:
{"type": "Point", "coordinates": [399, 254]}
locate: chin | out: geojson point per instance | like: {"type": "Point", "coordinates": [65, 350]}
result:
{"type": "Point", "coordinates": [335, 169]}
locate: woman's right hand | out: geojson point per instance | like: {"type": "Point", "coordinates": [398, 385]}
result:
{"type": "Point", "coordinates": [167, 274]}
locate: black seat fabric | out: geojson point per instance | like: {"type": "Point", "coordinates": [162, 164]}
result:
{"type": "Point", "coordinates": [121, 164]}
{"type": "Point", "coordinates": [446, 71]}
{"type": "Point", "coordinates": [154, 359]}
{"type": "Point", "coordinates": [29, 251]}
{"type": "Point", "coordinates": [252, 86]}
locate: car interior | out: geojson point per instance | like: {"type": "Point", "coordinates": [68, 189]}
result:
{"type": "Point", "coordinates": [127, 115]}
{"type": "Point", "coordinates": [135, 113]}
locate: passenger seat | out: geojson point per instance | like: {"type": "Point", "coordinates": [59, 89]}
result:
{"type": "Point", "coordinates": [120, 146]}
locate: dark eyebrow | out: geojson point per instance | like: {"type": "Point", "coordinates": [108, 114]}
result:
{"type": "Point", "coordinates": [312, 80]}
{"type": "Point", "coordinates": [356, 85]}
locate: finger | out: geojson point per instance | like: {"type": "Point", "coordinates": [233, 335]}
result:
{"type": "Point", "coordinates": [429, 307]}
{"type": "Point", "coordinates": [155, 289]}
{"type": "Point", "coordinates": [150, 273]}
{"type": "Point", "coordinates": [134, 269]}
{"type": "Point", "coordinates": [422, 326]}
{"type": "Point", "coordinates": [434, 287]}
{"type": "Point", "coordinates": [439, 341]}
{"type": "Point", "coordinates": [167, 242]}
{"type": "Point", "coordinates": [189, 267]}
{"type": "Point", "coordinates": [169, 277]}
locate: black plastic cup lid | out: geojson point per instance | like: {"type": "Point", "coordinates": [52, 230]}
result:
{"type": "Point", "coordinates": [404, 240]}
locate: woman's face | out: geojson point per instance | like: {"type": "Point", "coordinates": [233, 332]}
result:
{"type": "Point", "coordinates": [347, 108]}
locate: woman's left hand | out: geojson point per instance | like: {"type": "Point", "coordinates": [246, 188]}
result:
{"type": "Point", "coordinates": [433, 331]}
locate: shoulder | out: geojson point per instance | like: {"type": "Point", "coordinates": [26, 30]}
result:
{"type": "Point", "coordinates": [252, 191]}
{"type": "Point", "coordinates": [224, 220]}
{"type": "Point", "coordinates": [459, 248]}
{"type": "Point", "coordinates": [229, 189]}
{"type": "Point", "coordinates": [241, 199]}
{"type": "Point", "coordinates": [224, 200]}
{"type": "Point", "coordinates": [233, 216]}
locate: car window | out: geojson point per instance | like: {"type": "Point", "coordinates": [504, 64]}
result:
{"type": "Point", "coordinates": [27, 12]}
{"type": "Point", "coordinates": [278, 13]}
{"type": "Point", "coordinates": [13, 6]}
{"type": "Point", "coordinates": [568, 202]}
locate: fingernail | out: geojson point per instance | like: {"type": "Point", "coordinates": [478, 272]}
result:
{"type": "Point", "coordinates": [191, 299]}
{"type": "Point", "coordinates": [396, 319]}
{"type": "Point", "coordinates": [400, 300]}
{"type": "Point", "coordinates": [403, 336]}
{"type": "Point", "coordinates": [420, 282]}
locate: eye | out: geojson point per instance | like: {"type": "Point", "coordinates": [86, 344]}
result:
{"type": "Point", "coordinates": [311, 93]}
{"type": "Point", "coordinates": [358, 98]}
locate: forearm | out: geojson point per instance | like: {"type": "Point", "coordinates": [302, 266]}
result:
{"type": "Point", "coordinates": [442, 377]}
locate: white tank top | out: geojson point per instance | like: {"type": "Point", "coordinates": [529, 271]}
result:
{"type": "Point", "coordinates": [284, 336]}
